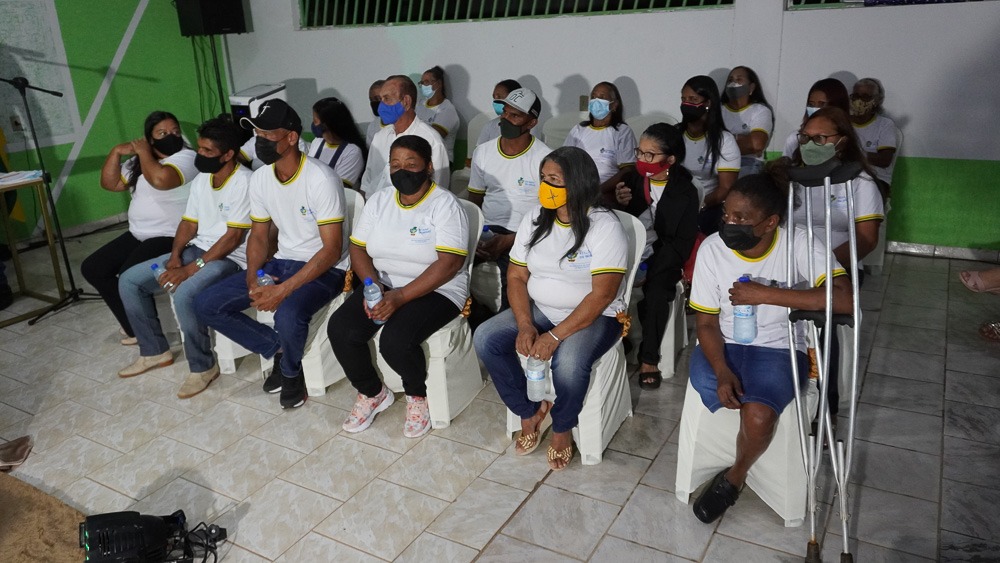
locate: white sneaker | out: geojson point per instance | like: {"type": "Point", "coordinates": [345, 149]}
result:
{"type": "Point", "coordinates": [365, 409]}
{"type": "Point", "coordinates": [146, 363]}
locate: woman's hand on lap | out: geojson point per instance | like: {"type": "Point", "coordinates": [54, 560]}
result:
{"type": "Point", "coordinates": [526, 337]}
{"type": "Point", "coordinates": [391, 301]}
{"type": "Point", "coordinates": [544, 347]}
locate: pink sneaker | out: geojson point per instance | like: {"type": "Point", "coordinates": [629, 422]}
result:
{"type": "Point", "coordinates": [365, 409]}
{"type": "Point", "coordinates": [418, 417]}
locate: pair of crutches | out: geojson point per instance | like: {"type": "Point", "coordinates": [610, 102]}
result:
{"type": "Point", "coordinates": [822, 177]}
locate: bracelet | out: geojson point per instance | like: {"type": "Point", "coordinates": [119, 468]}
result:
{"type": "Point", "coordinates": [199, 262]}
{"type": "Point", "coordinates": [552, 334]}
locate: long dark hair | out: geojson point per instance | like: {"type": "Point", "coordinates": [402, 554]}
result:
{"type": "Point", "coordinates": [670, 141]}
{"type": "Point", "coordinates": [756, 97]}
{"type": "Point", "coordinates": [705, 87]}
{"type": "Point", "coordinates": [617, 114]}
{"type": "Point", "coordinates": [583, 191]}
{"type": "Point", "coordinates": [133, 165]}
{"type": "Point", "coordinates": [337, 118]}
{"type": "Point", "coordinates": [836, 95]}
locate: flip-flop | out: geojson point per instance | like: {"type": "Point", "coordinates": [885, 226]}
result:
{"type": "Point", "coordinates": [973, 280]}
{"type": "Point", "coordinates": [14, 453]}
{"type": "Point", "coordinates": [530, 442]}
{"type": "Point", "coordinates": [565, 454]}
{"type": "Point", "coordinates": [990, 331]}
{"type": "Point", "coordinates": [655, 376]}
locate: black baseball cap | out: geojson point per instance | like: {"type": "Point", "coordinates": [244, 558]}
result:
{"type": "Point", "coordinates": [273, 114]}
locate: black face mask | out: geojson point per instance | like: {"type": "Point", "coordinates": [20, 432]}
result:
{"type": "Point", "coordinates": [407, 182]}
{"type": "Point", "coordinates": [267, 151]}
{"type": "Point", "coordinates": [374, 104]}
{"type": "Point", "coordinates": [208, 164]}
{"type": "Point", "coordinates": [738, 237]}
{"type": "Point", "coordinates": [168, 145]}
{"type": "Point", "coordinates": [692, 112]}
{"type": "Point", "coordinates": [508, 130]}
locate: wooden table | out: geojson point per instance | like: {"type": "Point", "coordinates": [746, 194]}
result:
{"type": "Point", "coordinates": [38, 187]}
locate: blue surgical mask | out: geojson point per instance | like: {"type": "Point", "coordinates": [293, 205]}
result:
{"type": "Point", "coordinates": [317, 130]}
{"type": "Point", "coordinates": [426, 90]}
{"type": "Point", "coordinates": [811, 110]}
{"type": "Point", "coordinates": [390, 114]}
{"type": "Point", "coordinates": [498, 107]}
{"type": "Point", "coordinates": [599, 108]}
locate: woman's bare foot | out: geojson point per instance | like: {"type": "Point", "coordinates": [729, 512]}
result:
{"type": "Point", "coordinates": [531, 430]}
{"type": "Point", "coordinates": [560, 450]}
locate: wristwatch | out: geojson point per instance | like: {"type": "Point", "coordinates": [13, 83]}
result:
{"type": "Point", "coordinates": [199, 262]}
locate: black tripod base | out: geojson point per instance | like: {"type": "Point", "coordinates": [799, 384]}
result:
{"type": "Point", "coordinates": [74, 296]}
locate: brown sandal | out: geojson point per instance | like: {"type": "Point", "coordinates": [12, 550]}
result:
{"type": "Point", "coordinates": [565, 455]}
{"type": "Point", "coordinates": [529, 442]}
{"type": "Point", "coordinates": [990, 331]}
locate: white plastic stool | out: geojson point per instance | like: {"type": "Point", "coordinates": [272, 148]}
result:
{"type": "Point", "coordinates": [708, 445]}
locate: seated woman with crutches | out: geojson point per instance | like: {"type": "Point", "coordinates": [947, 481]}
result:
{"type": "Point", "coordinates": [750, 370]}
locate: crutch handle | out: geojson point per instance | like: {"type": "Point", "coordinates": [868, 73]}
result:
{"type": "Point", "coordinates": [813, 176]}
{"type": "Point", "coordinates": [819, 318]}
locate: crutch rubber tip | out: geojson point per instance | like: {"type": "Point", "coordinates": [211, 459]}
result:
{"type": "Point", "coordinates": [812, 553]}
{"type": "Point", "coordinates": [846, 558]}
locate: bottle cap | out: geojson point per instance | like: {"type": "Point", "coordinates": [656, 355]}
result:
{"type": "Point", "coordinates": [643, 266]}
{"type": "Point", "coordinates": [154, 267]}
{"type": "Point", "coordinates": [368, 281]}
{"type": "Point", "coordinates": [745, 278]}
{"type": "Point", "coordinates": [260, 273]}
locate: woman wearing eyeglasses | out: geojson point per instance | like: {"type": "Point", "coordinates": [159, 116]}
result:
{"type": "Point", "coordinates": [830, 134]}
{"type": "Point", "coordinates": [436, 110]}
{"type": "Point", "coordinates": [659, 192]}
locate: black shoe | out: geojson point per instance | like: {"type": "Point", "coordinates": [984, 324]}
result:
{"type": "Point", "coordinates": [293, 392]}
{"type": "Point", "coordinates": [717, 497]}
{"type": "Point", "coordinates": [6, 297]}
{"type": "Point", "coordinates": [273, 382]}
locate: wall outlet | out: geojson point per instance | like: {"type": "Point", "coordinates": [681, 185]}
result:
{"type": "Point", "coordinates": [16, 124]}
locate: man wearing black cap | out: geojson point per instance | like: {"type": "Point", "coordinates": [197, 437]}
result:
{"type": "Point", "coordinates": [304, 199]}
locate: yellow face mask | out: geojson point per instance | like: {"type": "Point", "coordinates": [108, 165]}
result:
{"type": "Point", "coordinates": [551, 197]}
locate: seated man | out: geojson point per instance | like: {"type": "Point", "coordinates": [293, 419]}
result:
{"type": "Point", "coordinates": [752, 372]}
{"type": "Point", "coordinates": [396, 110]}
{"type": "Point", "coordinates": [375, 98]}
{"type": "Point", "coordinates": [304, 199]}
{"type": "Point", "coordinates": [504, 180]}
{"type": "Point", "coordinates": [208, 246]}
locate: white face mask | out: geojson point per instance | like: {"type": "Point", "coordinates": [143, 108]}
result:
{"type": "Point", "coordinates": [426, 90]}
{"type": "Point", "coordinates": [811, 110]}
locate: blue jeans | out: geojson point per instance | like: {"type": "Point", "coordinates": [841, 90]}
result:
{"type": "Point", "coordinates": [136, 286]}
{"type": "Point", "coordinates": [221, 307]}
{"type": "Point", "coordinates": [571, 364]}
{"type": "Point", "coordinates": [764, 373]}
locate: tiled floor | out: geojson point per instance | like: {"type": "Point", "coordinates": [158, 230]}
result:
{"type": "Point", "coordinates": [289, 486]}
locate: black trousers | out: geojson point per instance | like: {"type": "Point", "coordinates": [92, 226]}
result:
{"type": "Point", "coordinates": [350, 330]}
{"type": "Point", "coordinates": [654, 312]}
{"type": "Point", "coordinates": [101, 268]}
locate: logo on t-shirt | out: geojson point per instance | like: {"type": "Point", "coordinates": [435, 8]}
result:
{"type": "Point", "coordinates": [571, 257]}
{"type": "Point", "coordinates": [520, 181]}
{"type": "Point", "coordinates": [303, 210]}
{"type": "Point", "coordinates": [413, 231]}
{"type": "Point", "coordinates": [868, 143]}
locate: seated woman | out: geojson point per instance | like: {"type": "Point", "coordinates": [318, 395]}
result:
{"type": "Point", "coordinates": [338, 141]}
{"type": "Point", "coordinates": [754, 378]}
{"type": "Point", "coordinates": [209, 245]}
{"type": "Point", "coordinates": [565, 288]}
{"type": "Point", "coordinates": [711, 152]}
{"type": "Point", "coordinates": [823, 93]}
{"type": "Point", "coordinates": [748, 116]}
{"type": "Point", "coordinates": [659, 192]}
{"type": "Point", "coordinates": [412, 241]}
{"type": "Point", "coordinates": [437, 110]}
{"type": "Point", "coordinates": [492, 129]}
{"type": "Point", "coordinates": [605, 135]}
{"type": "Point", "coordinates": [876, 132]}
{"type": "Point", "coordinates": [156, 176]}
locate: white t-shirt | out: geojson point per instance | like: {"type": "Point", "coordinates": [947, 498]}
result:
{"type": "Point", "coordinates": [156, 213]}
{"type": "Point", "coordinates": [509, 184]}
{"type": "Point", "coordinates": [350, 164]}
{"type": "Point", "coordinates": [878, 134]}
{"type": "Point", "coordinates": [867, 207]}
{"type": "Point", "coordinates": [374, 126]}
{"type": "Point", "coordinates": [404, 240]}
{"type": "Point", "coordinates": [656, 189]}
{"type": "Point", "coordinates": [698, 157]}
{"type": "Point", "coordinates": [754, 117]}
{"type": "Point", "coordinates": [215, 210]}
{"type": "Point", "coordinates": [249, 151]}
{"type": "Point", "coordinates": [791, 143]}
{"type": "Point", "coordinates": [718, 267]}
{"type": "Point", "coordinates": [376, 174]}
{"type": "Point", "coordinates": [557, 283]}
{"type": "Point", "coordinates": [314, 196]}
{"type": "Point", "coordinates": [609, 147]}
{"type": "Point", "coordinates": [445, 116]}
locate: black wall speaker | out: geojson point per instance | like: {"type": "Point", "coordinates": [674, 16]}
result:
{"type": "Point", "coordinates": [211, 17]}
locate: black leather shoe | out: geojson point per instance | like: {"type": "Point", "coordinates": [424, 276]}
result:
{"type": "Point", "coordinates": [717, 497]}
{"type": "Point", "coordinates": [273, 382]}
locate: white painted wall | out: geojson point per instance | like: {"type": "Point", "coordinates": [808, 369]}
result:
{"type": "Point", "coordinates": [938, 62]}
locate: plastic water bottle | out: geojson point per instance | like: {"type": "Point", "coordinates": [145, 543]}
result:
{"type": "Point", "coordinates": [373, 295]}
{"type": "Point", "coordinates": [487, 235]}
{"type": "Point", "coordinates": [264, 279]}
{"type": "Point", "coordinates": [158, 273]}
{"type": "Point", "coordinates": [538, 384]}
{"type": "Point", "coordinates": [744, 320]}
{"type": "Point", "coordinates": [640, 274]}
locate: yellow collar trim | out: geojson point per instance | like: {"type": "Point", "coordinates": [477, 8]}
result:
{"type": "Point", "coordinates": [211, 178]}
{"type": "Point", "coordinates": [302, 164]}
{"type": "Point", "coordinates": [419, 201]}
{"type": "Point", "coordinates": [688, 135]}
{"type": "Point", "coordinates": [774, 243]}
{"type": "Point", "coordinates": [512, 157]}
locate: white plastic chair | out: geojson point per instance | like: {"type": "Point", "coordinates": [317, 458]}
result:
{"type": "Point", "coordinates": [453, 375]}
{"type": "Point", "coordinates": [319, 365]}
{"type": "Point", "coordinates": [640, 123]}
{"type": "Point", "coordinates": [475, 129]}
{"type": "Point", "coordinates": [707, 445]}
{"type": "Point", "coordinates": [460, 183]}
{"type": "Point", "coordinates": [875, 260]}
{"type": "Point", "coordinates": [486, 286]}
{"type": "Point", "coordinates": [557, 128]}
{"type": "Point", "coordinates": [675, 337]}
{"type": "Point", "coordinates": [608, 401]}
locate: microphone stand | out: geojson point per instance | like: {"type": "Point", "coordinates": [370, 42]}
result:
{"type": "Point", "coordinates": [74, 294]}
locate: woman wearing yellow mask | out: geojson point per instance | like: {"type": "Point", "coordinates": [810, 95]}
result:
{"type": "Point", "coordinates": [565, 286]}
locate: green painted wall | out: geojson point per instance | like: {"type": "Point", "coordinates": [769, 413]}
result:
{"type": "Point", "coordinates": [158, 72]}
